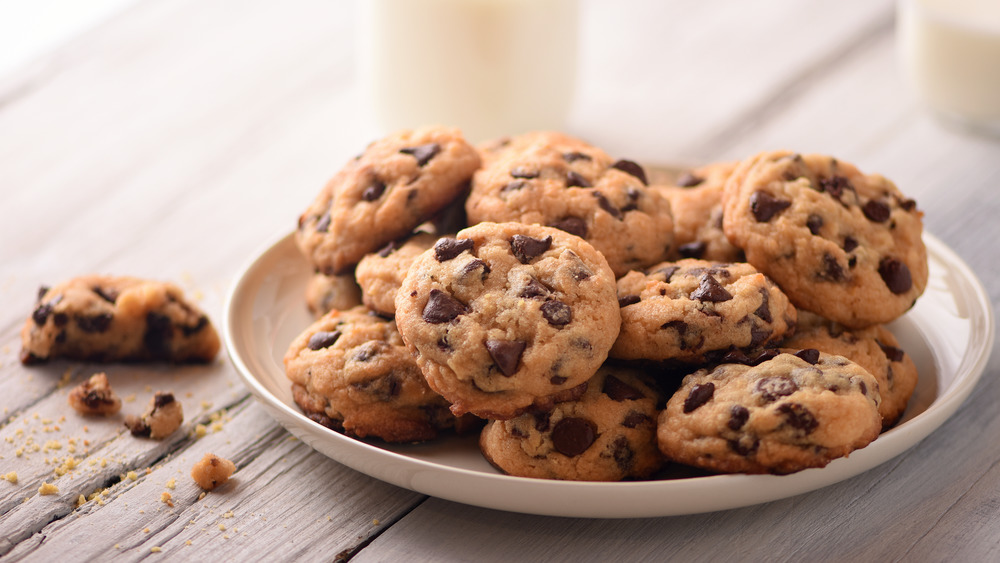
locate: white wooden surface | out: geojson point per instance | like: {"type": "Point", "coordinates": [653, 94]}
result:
{"type": "Point", "coordinates": [177, 137]}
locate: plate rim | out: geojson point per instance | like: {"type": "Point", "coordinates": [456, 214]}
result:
{"type": "Point", "coordinates": [894, 441]}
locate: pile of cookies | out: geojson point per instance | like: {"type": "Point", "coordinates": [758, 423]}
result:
{"type": "Point", "coordinates": [593, 324]}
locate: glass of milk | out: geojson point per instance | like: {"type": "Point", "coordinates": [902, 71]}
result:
{"type": "Point", "coordinates": [489, 67]}
{"type": "Point", "coordinates": [950, 51]}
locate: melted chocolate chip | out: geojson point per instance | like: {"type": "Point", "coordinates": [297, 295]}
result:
{"type": "Point", "coordinates": [108, 295]}
{"type": "Point", "coordinates": [557, 313]}
{"type": "Point", "coordinates": [572, 225]}
{"type": "Point", "coordinates": [700, 394]}
{"type": "Point", "coordinates": [373, 191]}
{"type": "Point", "coordinates": [763, 356]}
{"type": "Point", "coordinates": [850, 244]}
{"type": "Point", "coordinates": [447, 248]}
{"type": "Point", "coordinates": [763, 312]}
{"type": "Point", "coordinates": [815, 223]}
{"type": "Point", "coordinates": [758, 335]}
{"type": "Point", "coordinates": [423, 153]}
{"type": "Point", "coordinates": [574, 179]}
{"type": "Point", "coordinates": [521, 172]}
{"type": "Point", "coordinates": [574, 156]}
{"type": "Point", "coordinates": [162, 399]}
{"type": "Point", "coordinates": [738, 416]}
{"type": "Point", "coordinates": [96, 323]}
{"type": "Point", "coordinates": [323, 339]}
{"type": "Point", "coordinates": [680, 326]}
{"type": "Point", "coordinates": [557, 380]}
{"type": "Point", "coordinates": [635, 418]}
{"type": "Point", "coordinates": [628, 300]}
{"type": "Point", "coordinates": [799, 417]}
{"type": "Point", "coordinates": [892, 353]}
{"type": "Point", "coordinates": [896, 275]}
{"type": "Point", "coordinates": [573, 435]}
{"type": "Point", "coordinates": [810, 355]}
{"type": "Point", "coordinates": [606, 205]}
{"type": "Point", "coordinates": [770, 388]}
{"type": "Point", "coordinates": [623, 454]}
{"type": "Point", "coordinates": [41, 313]}
{"type": "Point", "coordinates": [442, 308]}
{"type": "Point", "coordinates": [832, 269]}
{"type": "Point", "coordinates": [159, 333]}
{"type": "Point", "coordinates": [689, 180]}
{"type": "Point", "coordinates": [694, 249]}
{"type": "Point", "coordinates": [710, 290]}
{"type": "Point", "coordinates": [620, 391]}
{"type": "Point", "coordinates": [764, 206]}
{"type": "Point", "coordinates": [876, 211]}
{"type": "Point", "coordinates": [534, 290]}
{"type": "Point", "coordinates": [542, 421]}
{"type": "Point", "coordinates": [745, 446]}
{"type": "Point", "coordinates": [836, 186]}
{"type": "Point", "coordinates": [631, 168]}
{"type": "Point", "coordinates": [526, 248]}
{"type": "Point", "coordinates": [506, 354]}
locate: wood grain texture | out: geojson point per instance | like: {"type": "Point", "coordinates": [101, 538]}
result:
{"type": "Point", "coordinates": [178, 137]}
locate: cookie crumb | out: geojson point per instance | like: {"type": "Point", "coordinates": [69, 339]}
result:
{"type": "Point", "coordinates": [95, 397]}
{"type": "Point", "coordinates": [11, 477]}
{"type": "Point", "coordinates": [155, 549]}
{"type": "Point", "coordinates": [171, 483]}
{"type": "Point", "coordinates": [166, 498]}
{"type": "Point", "coordinates": [48, 489]}
{"type": "Point", "coordinates": [212, 471]}
{"type": "Point", "coordinates": [163, 415]}
{"type": "Point", "coordinates": [131, 475]}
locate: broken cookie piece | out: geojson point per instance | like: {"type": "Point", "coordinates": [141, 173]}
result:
{"type": "Point", "coordinates": [212, 471]}
{"type": "Point", "coordinates": [163, 415]}
{"type": "Point", "coordinates": [95, 397]}
{"type": "Point", "coordinates": [109, 318]}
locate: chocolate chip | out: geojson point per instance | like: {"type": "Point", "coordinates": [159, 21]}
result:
{"type": "Point", "coordinates": [506, 354]}
{"type": "Point", "coordinates": [815, 223]}
{"type": "Point", "coordinates": [472, 266]}
{"type": "Point", "coordinates": [763, 356]}
{"type": "Point", "coordinates": [850, 244]}
{"type": "Point", "coordinates": [108, 295]}
{"type": "Point", "coordinates": [42, 290]}
{"type": "Point", "coordinates": [907, 204]}
{"type": "Point", "coordinates": [738, 416]}
{"type": "Point", "coordinates": [59, 319]}
{"type": "Point", "coordinates": [832, 269]}
{"type": "Point", "coordinates": [557, 313]}
{"type": "Point", "coordinates": [323, 339]}
{"type": "Point", "coordinates": [763, 312]}
{"type": "Point", "coordinates": [542, 420]}
{"type": "Point", "coordinates": [896, 275]}
{"type": "Point", "coordinates": [700, 394]}
{"type": "Point", "coordinates": [159, 333]}
{"type": "Point", "coordinates": [694, 249]}
{"type": "Point", "coordinates": [388, 249]}
{"type": "Point", "coordinates": [162, 399]}
{"type": "Point", "coordinates": [447, 248]}
{"type": "Point", "coordinates": [876, 211]}
{"type": "Point", "coordinates": [373, 191]}
{"type": "Point", "coordinates": [628, 300]}
{"type": "Point", "coordinates": [324, 223]}
{"type": "Point", "coordinates": [758, 335]}
{"type": "Point", "coordinates": [623, 454]}
{"type": "Point", "coordinates": [574, 156]}
{"type": "Point", "coordinates": [745, 446]}
{"type": "Point", "coordinates": [526, 248]}
{"type": "Point", "coordinates": [620, 391]}
{"type": "Point", "coordinates": [604, 204]}
{"type": "Point", "coordinates": [572, 225]}
{"type": "Point", "coordinates": [96, 323]}
{"type": "Point", "coordinates": [41, 313]}
{"type": "Point", "coordinates": [572, 436]}
{"type": "Point", "coordinates": [575, 179]}
{"type": "Point", "coordinates": [422, 153]}
{"type": "Point", "coordinates": [366, 351]}
{"type": "Point", "coordinates": [892, 353]}
{"type": "Point", "coordinates": [534, 290]}
{"type": "Point", "coordinates": [442, 308]}
{"type": "Point", "coordinates": [137, 427]}
{"type": "Point", "coordinates": [710, 290]}
{"type": "Point", "coordinates": [735, 357]}
{"type": "Point", "coordinates": [513, 186]}
{"type": "Point", "coordinates": [521, 172]}
{"type": "Point", "coordinates": [689, 180]}
{"type": "Point", "coordinates": [810, 355]}
{"type": "Point", "coordinates": [635, 418]}
{"type": "Point", "coordinates": [799, 417]}
{"type": "Point", "coordinates": [557, 380]}
{"type": "Point", "coordinates": [667, 271]}
{"type": "Point", "coordinates": [836, 186]}
{"type": "Point", "coordinates": [770, 388]}
{"type": "Point", "coordinates": [680, 326]}
{"type": "Point", "coordinates": [631, 168]}
{"type": "Point", "coordinates": [764, 206]}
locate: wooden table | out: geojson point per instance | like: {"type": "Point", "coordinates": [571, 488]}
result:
{"type": "Point", "coordinates": [176, 138]}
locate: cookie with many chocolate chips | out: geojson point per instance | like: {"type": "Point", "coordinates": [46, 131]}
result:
{"type": "Point", "coordinates": [382, 195]}
{"type": "Point", "coordinates": [841, 243]}
{"type": "Point", "coordinates": [350, 371]}
{"type": "Point", "coordinates": [696, 205]}
{"type": "Point", "coordinates": [325, 293]}
{"type": "Point", "coordinates": [608, 434]}
{"type": "Point", "coordinates": [790, 411]}
{"type": "Point", "coordinates": [873, 348]}
{"type": "Point", "coordinates": [117, 318]}
{"type": "Point", "coordinates": [552, 179]}
{"type": "Point", "coordinates": [696, 311]}
{"type": "Point", "coordinates": [380, 274]}
{"type": "Point", "coordinates": [508, 316]}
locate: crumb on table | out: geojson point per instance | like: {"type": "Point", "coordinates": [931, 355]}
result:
{"type": "Point", "coordinates": [212, 471]}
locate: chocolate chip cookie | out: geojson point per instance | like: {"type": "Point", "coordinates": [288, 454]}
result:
{"type": "Point", "coordinates": [351, 372]}
{"type": "Point", "coordinates": [383, 194]}
{"type": "Point", "coordinates": [840, 243]}
{"type": "Point", "coordinates": [791, 411]}
{"type": "Point", "coordinates": [116, 318]}
{"type": "Point", "coordinates": [608, 434]}
{"type": "Point", "coordinates": [696, 205]}
{"type": "Point", "coordinates": [695, 311]}
{"type": "Point", "coordinates": [380, 274]}
{"type": "Point", "coordinates": [325, 293]}
{"type": "Point", "coordinates": [552, 179]}
{"type": "Point", "coordinates": [508, 316]}
{"type": "Point", "coordinates": [873, 348]}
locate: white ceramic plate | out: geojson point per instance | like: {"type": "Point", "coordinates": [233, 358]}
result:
{"type": "Point", "coordinates": [949, 334]}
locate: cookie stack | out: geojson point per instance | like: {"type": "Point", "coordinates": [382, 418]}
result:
{"type": "Point", "coordinates": [602, 325]}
